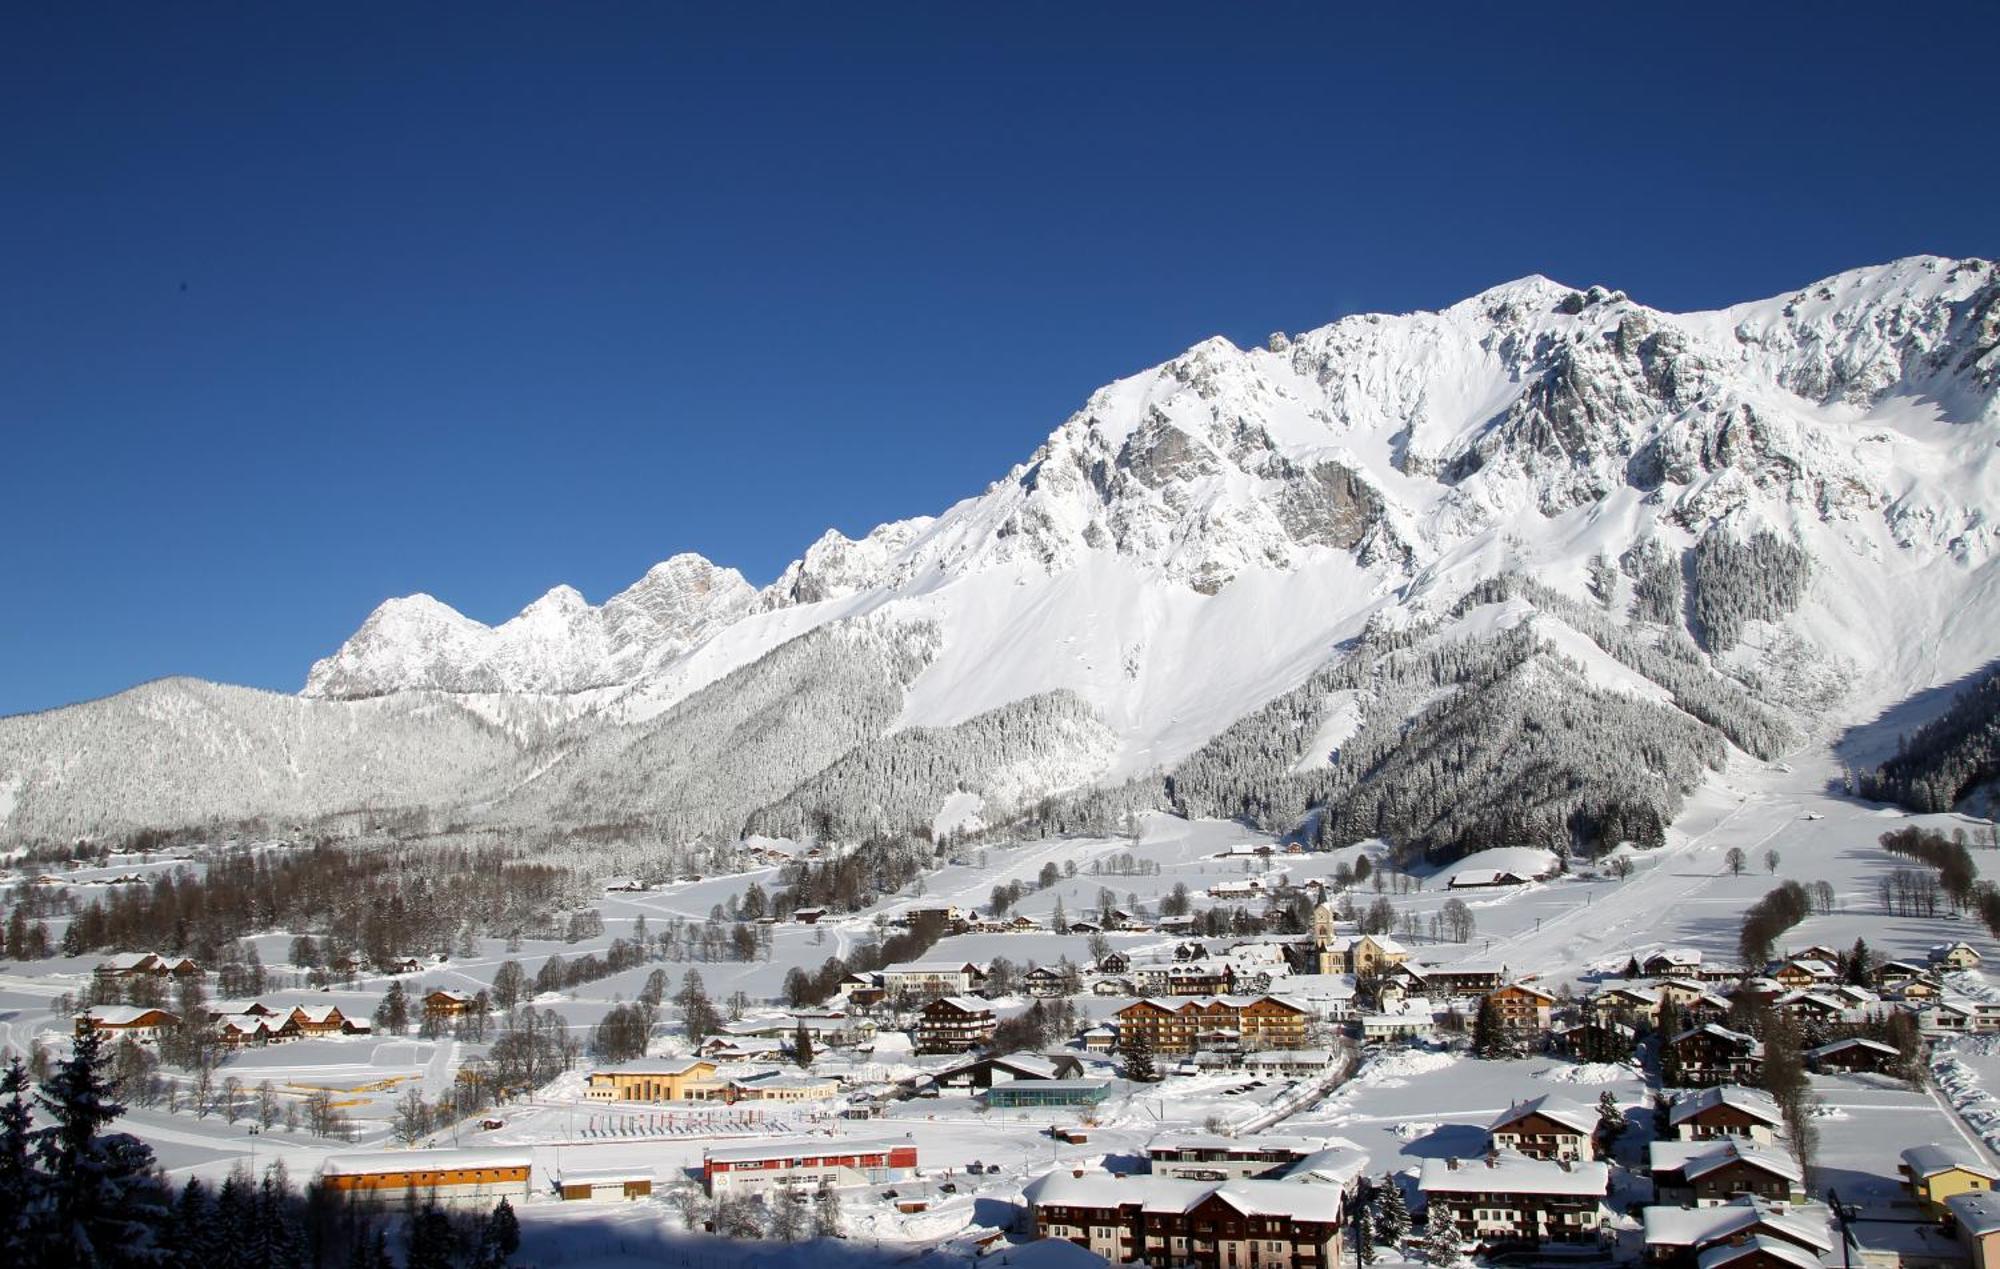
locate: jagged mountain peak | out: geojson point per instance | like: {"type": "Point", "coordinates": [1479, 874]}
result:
{"type": "Point", "coordinates": [1383, 440]}
{"type": "Point", "coordinates": [560, 643]}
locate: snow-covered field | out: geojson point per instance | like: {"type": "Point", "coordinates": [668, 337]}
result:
{"type": "Point", "coordinates": [1404, 1105]}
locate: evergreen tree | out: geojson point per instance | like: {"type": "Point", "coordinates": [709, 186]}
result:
{"type": "Point", "coordinates": [1860, 965]}
{"type": "Point", "coordinates": [1441, 1242]}
{"type": "Point", "coordinates": [192, 1237]}
{"type": "Point", "coordinates": [432, 1242]}
{"type": "Point", "coordinates": [104, 1204]}
{"type": "Point", "coordinates": [17, 1173]}
{"type": "Point", "coordinates": [500, 1239]}
{"type": "Point", "coordinates": [393, 1014]}
{"type": "Point", "coordinates": [235, 1208]}
{"type": "Point", "coordinates": [1392, 1214]}
{"type": "Point", "coordinates": [802, 1046]}
{"type": "Point", "coordinates": [276, 1234]}
{"type": "Point", "coordinates": [1364, 1235]}
{"type": "Point", "coordinates": [1489, 1031]}
{"type": "Point", "coordinates": [1139, 1061]}
{"type": "Point", "coordinates": [1610, 1120]}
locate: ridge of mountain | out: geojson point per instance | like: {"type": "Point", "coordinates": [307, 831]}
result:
{"type": "Point", "coordinates": [1733, 524]}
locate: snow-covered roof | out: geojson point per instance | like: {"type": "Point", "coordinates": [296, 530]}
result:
{"type": "Point", "coordinates": [1565, 1111]}
{"type": "Point", "coordinates": [931, 967]}
{"type": "Point", "coordinates": [1667, 1226]}
{"type": "Point", "coordinates": [1674, 956]}
{"type": "Point", "coordinates": [1106, 1189]}
{"type": "Point", "coordinates": [361, 1163]}
{"type": "Point", "coordinates": [1925, 1161]}
{"type": "Point", "coordinates": [130, 960]}
{"type": "Point", "coordinates": [1976, 1211]}
{"type": "Point", "coordinates": [1646, 994]}
{"type": "Point", "coordinates": [1511, 1173]}
{"type": "Point", "coordinates": [1335, 1165]}
{"type": "Point", "coordinates": [1067, 1085]}
{"type": "Point", "coordinates": [1528, 861]}
{"type": "Point", "coordinates": [123, 1015]}
{"type": "Point", "coordinates": [602, 1176]}
{"type": "Point", "coordinates": [1259, 1144]}
{"type": "Point", "coordinates": [642, 1067]}
{"type": "Point", "coordinates": [776, 1079]}
{"type": "Point", "coordinates": [1047, 1253]}
{"type": "Point", "coordinates": [1704, 1157]}
{"type": "Point", "coordinates": [1171, 1194]}
{"type": "Point", "coordinates": [1778, 1248]}
{"type": "Point", "coordinates": [964, 1004]}
{"type": "Point", "coordinates": [1748, 1100]}
{"type": "Point", "coordinates": [1748, 1042]}
{"type": "Point", "coordinates": [804, 1148]}
{"type": "Point", "coordinates": [1854, 1042]}
{"type": "Point", "coordinates": [1283, 1198]}
{"type": "Point", "coordinates": [1468, 877]}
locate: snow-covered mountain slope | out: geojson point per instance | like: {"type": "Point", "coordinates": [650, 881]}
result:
{"type": "Point", "coordinates": [1787, 500]}
{"type": "Point", "coordinates": [180, 751]}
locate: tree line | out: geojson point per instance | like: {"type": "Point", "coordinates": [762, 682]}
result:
{"type": "Point", "coordinates": [1945, 759]}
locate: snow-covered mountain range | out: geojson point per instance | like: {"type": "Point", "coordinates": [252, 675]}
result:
{"type": "Point", "coordinates": [1790, 498]}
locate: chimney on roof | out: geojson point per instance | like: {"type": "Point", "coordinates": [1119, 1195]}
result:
{"type": "Point", "coordinates": [1451, 1164]}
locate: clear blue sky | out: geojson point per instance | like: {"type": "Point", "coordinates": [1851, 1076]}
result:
{"type": "Point", "coordinates": [300, 310]}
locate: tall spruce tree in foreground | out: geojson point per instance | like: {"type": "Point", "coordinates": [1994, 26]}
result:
{"type": "Point", "coordinates": [101, 1203]}
{"type": "Point", "coordinates": [17, 1171]}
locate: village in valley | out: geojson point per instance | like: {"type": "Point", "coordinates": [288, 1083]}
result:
{"type": "Point", "coordinates": [1174, 1045]}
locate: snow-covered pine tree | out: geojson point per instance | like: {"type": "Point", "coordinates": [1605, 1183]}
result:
{"type": "Point", "coordinates": [1392, 1214]}
{"type": "Point", "coordinates": [1441, 1242]}
{"type": "Point", "coordinates": [102, 1200]}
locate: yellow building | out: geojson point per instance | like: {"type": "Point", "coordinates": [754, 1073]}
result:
{"type": "Point", "coordinates": [692, 1080]}
{"type": "Point", "coordinates": [1936, 1173]}
{"type": "Point", "coordinates": [1976, 1215]}
{"type": "Point", "coordinates": [784, 1088]}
